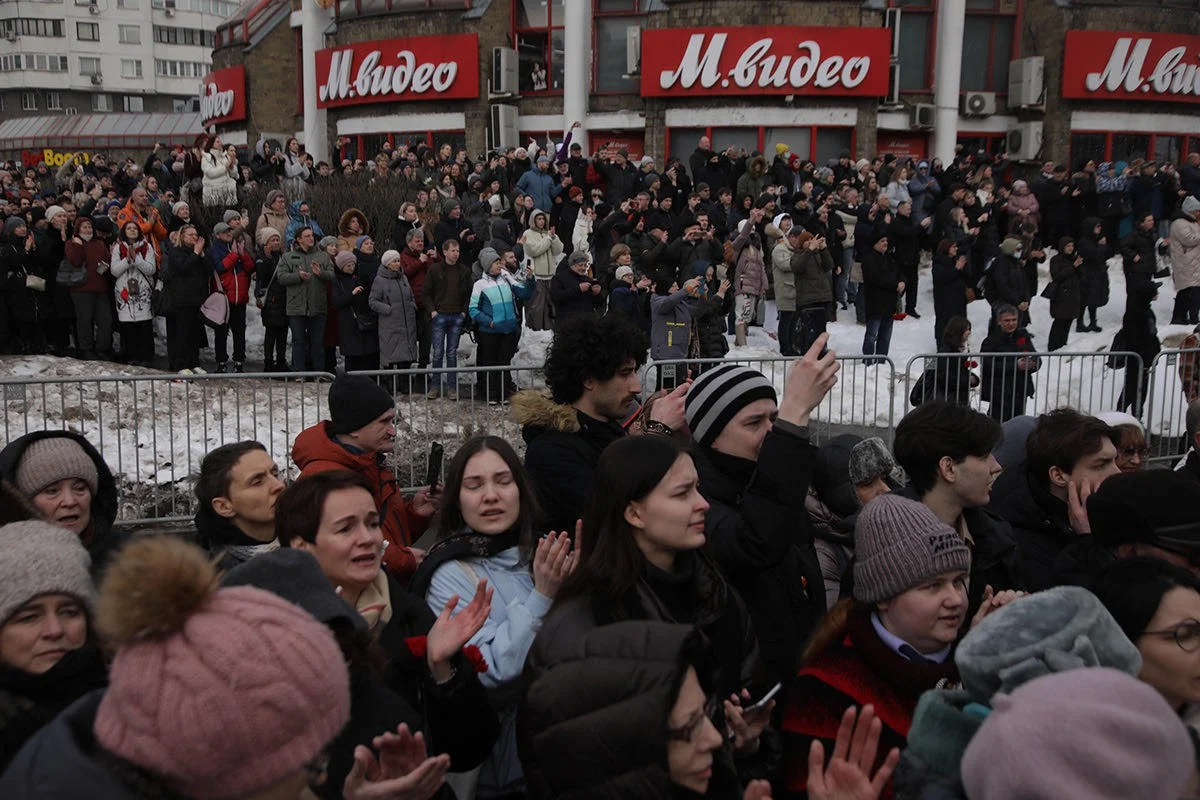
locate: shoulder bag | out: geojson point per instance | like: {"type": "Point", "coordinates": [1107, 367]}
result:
{"type": "Point", "coordinates": [70, 275]}
{"type": "Point", "coordinates": [215, 308]}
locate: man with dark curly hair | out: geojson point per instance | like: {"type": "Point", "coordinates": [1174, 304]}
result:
{"type": "Point", "coordinates": [592, 374]}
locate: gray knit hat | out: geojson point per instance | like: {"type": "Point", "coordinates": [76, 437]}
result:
{"type": "Point", "coordinates": [327, 241]}
{"type": "Point", "coordinates": [1057, 630]}
{"type": "Point", "coordinates": [900, 543]}
{"type": "Point", "coordinates": [38, 558]}
{"type": "Point", "coordinates": [718, 395]}
{"type": "Point", "coordinates": [52, 459]}
{"type": "Point", "coordinates": [870, 459]}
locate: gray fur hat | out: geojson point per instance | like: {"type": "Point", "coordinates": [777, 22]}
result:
{"type": "Point", "coordinates": [38, 558]}
{"type": "Point", "coordinates": [870, 459]}
{"type": "Point", "coordinates": [1060, 629]}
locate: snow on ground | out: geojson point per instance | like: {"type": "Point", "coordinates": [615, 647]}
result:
{"type": "Point", "coordinates": [154, 428]}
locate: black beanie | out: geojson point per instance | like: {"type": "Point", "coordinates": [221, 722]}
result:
{"type": "Point", "coordinates": [355, 401]}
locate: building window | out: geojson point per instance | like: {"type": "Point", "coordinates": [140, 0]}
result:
{"type": "Point", "coordinates": [1126, 146]}
{"type": "Point", "coordinates": [89, 65]}
{"type": "Point", "coordinates": [180, 69]}
{"type": "Point", "coordinates": [813, 142]}
{"type": "Point", "coordinates": [54, 101]}
{"type": "Point", "coordinates": [189, 36]}
{"type": "Point", "coordinates": [539, 37]}
{"type": "Point", "coordinates": [133, 104]}
{"type": "Point", "coordinates": [987, 44]}
{"type": "Point", "coordinates": [29, 101]}
{"type": "Point", "coordinates": [131, 68]}
{"type": "Point", "coordinates": [31, 27]}
{"type": "Point", "coordinates": [611, 42]}
{"type": "Point", "coordinates": [128, 4]}
{"type": "Point", "coordinates": [101, 102]}
{"type": "Point", "coordinates": [216, 8]}
{"type": "Point", "coordinates": [129, 34]}
{"type": "Point", "coordinates": [87, 31]}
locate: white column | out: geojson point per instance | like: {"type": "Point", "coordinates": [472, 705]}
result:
{"type": "Point", "coordinates": [577, 69]}
{"type": "Point", "coordinates": [314, 21]}
{"type": "Point", "coordinates": [947, 76]}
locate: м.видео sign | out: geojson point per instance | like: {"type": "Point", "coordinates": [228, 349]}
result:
{"type": "Point", "coordinates": [418, 68]}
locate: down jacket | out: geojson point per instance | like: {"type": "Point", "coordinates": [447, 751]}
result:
{"type": "Point", "coordinates": [392, 299]}
{"type": "Point", "coordinates": [1185, 252]}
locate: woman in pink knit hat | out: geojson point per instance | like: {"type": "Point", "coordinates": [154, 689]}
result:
{"type": "Point", "coordinates": [213, 693]}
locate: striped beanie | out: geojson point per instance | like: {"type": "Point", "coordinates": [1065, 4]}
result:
{"type": "Point", "coordinates": [718, 395]}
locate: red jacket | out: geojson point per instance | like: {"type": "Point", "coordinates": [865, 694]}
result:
{"type": "Point", "coordinates": [415, 270]}
{"type": "Point", "coordinates": [234, 269]}
{"type": "Point", "coordinates": [859, 670]}
{"type": "Point", "coordinates": [89, 255]}
{"type": "Point", "coordinates": [315, 450]}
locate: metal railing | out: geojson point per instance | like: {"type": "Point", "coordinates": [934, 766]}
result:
{"type": "Point", "coordinates": [154, 429]}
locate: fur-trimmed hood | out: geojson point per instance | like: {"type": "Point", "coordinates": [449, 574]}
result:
{"type": "Point", "coordinates": [533, 408]}
{"type": "Point", "coordinates": [344, 223]}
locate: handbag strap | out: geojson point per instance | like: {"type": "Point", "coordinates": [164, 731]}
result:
{"type": "Point", "coordinates": [220, 286]}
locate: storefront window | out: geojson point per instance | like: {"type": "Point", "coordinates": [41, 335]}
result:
{"type": "Point", "coordinates": [1088, 147]}
{"type": "Point", "coordinates": [681, 142]}
{"type": "Point", "coordinates": [611, 43]}
{"type": "Point", "coordinates": [1169, 148]}
{"type": "Point", "coordinates": [989, 143]}
{"type": "Point", "coordinates": [798, 140]}
{"type": "Point", "coordinates": [987, 44]}
{"type": "Point", "coordinates": [745, 138]}
{"type": "Point", "coordinates": [539, 38]}
{"type": "Point", "coordinates": [811, 142]}
{"type": "Point", "coordinates": [1128, 146]}
{"type": "Point", "coordinates": [830, 144]}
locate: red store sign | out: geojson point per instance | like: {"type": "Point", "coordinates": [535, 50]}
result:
{"type": "Point", "coordinates": [223, 96]}
{"type": "Point", "coordinates": [1112, 65]}
{"type": "Point", "coordinates": [420, 68]}
{"type": "Point", "coordinates": [765, 60]}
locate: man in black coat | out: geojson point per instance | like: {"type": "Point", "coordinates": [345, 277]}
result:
{"type": "Point", "coordinates": [754, 471]}
{"type": "Point", "coordinates": [882, 286]}
{"type": "Point", "coordinates": [1068, 455]}
{"type": "Point", "coordinates": [592, 374]}
{"type": "Point", "coordinates": [1138, 254]}
{"type": "Point", "coordinates": [947, 452]}
{"type": "Point", "coordinates": [1006, 283]}
{"type": "Point", "coordinates": [904, 235]}
{"type": "Point", "coordinates": [1007, 380]}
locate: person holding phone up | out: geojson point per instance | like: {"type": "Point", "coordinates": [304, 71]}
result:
{"type": "Point", "coordinates": [812, 265]}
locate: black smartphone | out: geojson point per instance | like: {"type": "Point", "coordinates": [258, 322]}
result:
{"type": "Point", "coordinates": [806, 329]}
{"type": "Point", "coordinates": [433, 472]}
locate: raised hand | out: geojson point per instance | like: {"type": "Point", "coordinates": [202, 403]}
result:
{"type": "Point", "coordinates": [404, 771]}
{"type": "Point", "coordinates": [451, 631]}
{"type": "Point", "coordinates": [553, 561]}
{"type": "Point", "coordinates": [809, 379]}
{"type": "Point", "coordinates": [848, 775]}
{"type": "Point", "coordinates": [746, 726]}
{"type": "Point", "coordinates": [669, 409]}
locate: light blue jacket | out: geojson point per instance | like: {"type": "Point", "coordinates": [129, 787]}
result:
{"type": "Point", "coordinates": [493, 303]}
{"type": "Point", "coordinates": [504, 640]}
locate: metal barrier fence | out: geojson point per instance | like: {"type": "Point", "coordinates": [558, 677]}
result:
{"type": "Point", "coordinates": [154, 429]}
{"type": "Point", "coordinates": [1005, 385]}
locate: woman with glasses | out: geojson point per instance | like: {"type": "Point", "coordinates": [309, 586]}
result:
{"type": "Point", "coordinates": [1131, 450]}
{"type": "Point", "coordinates": [642, 558]}
{"type": "Point", "coordinates": [1157, 605]}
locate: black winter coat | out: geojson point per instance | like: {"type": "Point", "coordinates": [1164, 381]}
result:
{"type": "Point", "coordinates": [949, 288]}
{"type": "Point", "coordinates": [881, 275]}
{"type": "Point", "coordinates": [709, 317]}
{"type": "Point", "coordinates": [186, 279]}
{"type": "Point", "coordinates": [562, 446]}
{"type": "Point", "coordinates": [272, 293]}
{"type": "Point", "coordinates": [758, 535]}
{"type": "Point", "coordinates": [1094, 272]}
{"type": "Point", "coordinates": [353, 341]}
{"type": "Point", "coordinates": [1039, 527]}
{"type": "Point", "coordinates": [25, 304]}
{"type": "Point", "coordinates": [1139, 245]}
{"type": "Point", "coordinates": [1008, 282]}
{"type": "Point", "coordinates": [569, 300]}
{"type": "Point", "coordinates": [29, 702]}
{"type": "Point", "coordinates": [102, 541]}
{"type": "Point", "coordinates": [904, 237]}
{"type": "Point", "coordinates": [1066, 276]}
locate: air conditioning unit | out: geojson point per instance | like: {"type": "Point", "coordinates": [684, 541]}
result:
{"type": "Point", "coordinates": [923, 115]}
{"type": "Point", "coordinates": [1027, 82]}
{"type": "Point", "coordinates": [170, 11]}
{"type": "Point", "coordinates": [71, 111]}
{"type": "Point", "coordinates": [97, 79]}
{"type": "Point", "coordinates": [633, 50]}
{"type": "Point", "coordinates": [502, 132]}
{"type": "Point", "coordinates": [11, 36]}
{"type": "Point", "coordinates": [504, 71]}
{"type": "Point", "coordinates": [94, 9]}
{"type": "Point", "coordinates": [978, 104]}
{"type": "Point", "coordinates": [1024, 142]}
{"type": "Point", "coordinates": [891, 21]}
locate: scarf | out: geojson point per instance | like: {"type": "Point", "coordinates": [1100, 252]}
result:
{"type": "Point", "coordinates": [241, 553]}
{"type": "Point", "coordinates": [375, 602]}
{"type": "Point", "coordinates": [469, 544]}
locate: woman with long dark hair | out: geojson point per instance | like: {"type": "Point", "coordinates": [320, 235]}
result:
{"type": "Point", "coordinates": [486, 532]}
{"type": "Point", "coordinates": [642, 558]}
{"type": "Point", "coordinates": [134, 266]}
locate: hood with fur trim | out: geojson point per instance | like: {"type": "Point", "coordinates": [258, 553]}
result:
{"type": "Point", "coordinates": [534, 409]}
{"type": "Point", "coordinates": [344, 223]}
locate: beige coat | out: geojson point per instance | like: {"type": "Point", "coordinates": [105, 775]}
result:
{"type": "Point", "coordinates": [1185, 253]}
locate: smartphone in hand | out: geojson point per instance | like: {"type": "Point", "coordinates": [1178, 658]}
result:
{"type": "Point", "coordinates": [433, 472]}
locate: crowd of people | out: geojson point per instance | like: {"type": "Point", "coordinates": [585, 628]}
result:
{"type": "Point", "coordinates": [387, 261]}
{"type": "Point", "coordinates": [686, 596]}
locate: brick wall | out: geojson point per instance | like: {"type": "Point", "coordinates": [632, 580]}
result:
{"type": "Point", "coordinates": [271, 69]}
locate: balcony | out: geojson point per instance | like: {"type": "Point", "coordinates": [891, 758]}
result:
{"type": "Point", "coordinates": [348, 9]}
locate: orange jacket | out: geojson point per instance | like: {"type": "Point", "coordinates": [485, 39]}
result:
{"type": "Point", "coordinates": [316, 451]}
{"type": "Point", "coordinates": [152, 226]}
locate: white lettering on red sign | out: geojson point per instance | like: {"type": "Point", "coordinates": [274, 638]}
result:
{"type": "Point", "coordinates": [215, 104]}
{"type": "Point", "coordinates": [373, 80]}
{"type": "Point", "coordinates": [758, 66]}
{"type": "Point", "coordinates": [1124, 69]}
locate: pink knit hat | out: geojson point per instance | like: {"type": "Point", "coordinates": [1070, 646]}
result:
{"type": "Point", "coordinates": [221, 693]}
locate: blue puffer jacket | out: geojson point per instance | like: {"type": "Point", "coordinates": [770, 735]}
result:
{"type": "Point", "coordinates": [493, 302]}
{"type": "Point", "coordinates": [296, 221]}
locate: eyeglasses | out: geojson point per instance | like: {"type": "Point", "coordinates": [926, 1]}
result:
{"type": "Point", "coordinates": [687, 732]}
{"type": "Point", "coordinates": [1186, 635]}
{"type": "Point", "coordinates": [1131, 452]}
{"type": "Point", "coordinates": [318, 766]}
